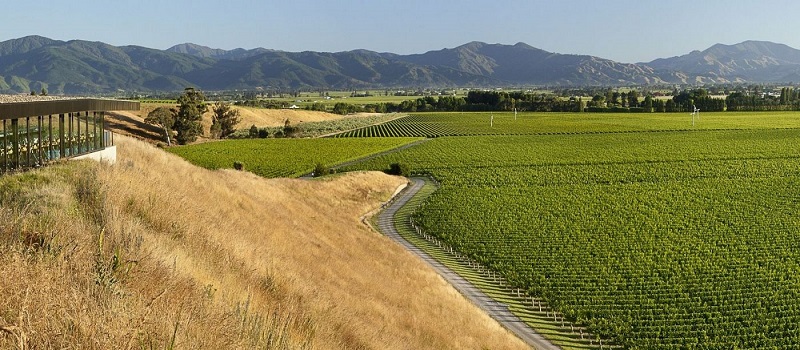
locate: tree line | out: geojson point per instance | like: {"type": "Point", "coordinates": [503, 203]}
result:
{"type": "Point", "coordinates": [788, 100]}
{"type": "Point", "coordinates": [474, 101]}
{"type": "Point", "coordinates": [610, 101]}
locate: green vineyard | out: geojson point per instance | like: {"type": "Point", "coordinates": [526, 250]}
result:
{"type": "Point", "coordinates": [473, 124]}
{"type": "Point", "coordinates": [654, 240]}
{"type": "Point", "coordinates": [283, 157]}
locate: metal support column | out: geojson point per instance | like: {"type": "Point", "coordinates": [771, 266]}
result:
{"type": "Point", "coordinates": [5, 146]}
{"type": "Point", "coordinates": [98, 137]}
{"type": "Point", "coordinates": [41, 149]}
{"type": "Point", "coordinates": [15, 142]}
{"type": "Point", "coordinates": [50, 137]}
{"type": "Point", "coordinates": [61, 146]}
{"type": "Point", "coordinates": [104, 144]}
{"type": "Point", "coordinates": [28, 141]}
{"type": "Point", "coordinates": [78, 128]}
{"type": "Point", "coordinates": [88, 135]}
{"type": "Point", "coordinates": [69, 139]}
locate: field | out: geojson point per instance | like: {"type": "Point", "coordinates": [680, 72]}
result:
{"type": "Point", "coordinates": [284, 157]}
{"type": "Point", "coordinates": [487, 123]}
{"type": "Point", "coordinates": [653, 234]}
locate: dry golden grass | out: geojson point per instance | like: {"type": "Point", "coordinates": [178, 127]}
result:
{"type": "Point", "coordinates": [156, 253]}
{"type": "Point", "coordinates": [131, 123]}
{"type": "Point", "coordinates": [262, 117]}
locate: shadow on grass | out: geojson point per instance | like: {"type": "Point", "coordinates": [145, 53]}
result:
{"type": "Point", "coordinates": [125, 125]}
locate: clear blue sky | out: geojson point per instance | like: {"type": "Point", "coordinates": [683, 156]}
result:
{"type": "Point", "coordinates": [622, 30]}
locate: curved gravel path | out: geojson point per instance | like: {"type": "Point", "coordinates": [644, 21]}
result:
{"type": "Point", "coordinates": [496, 310]}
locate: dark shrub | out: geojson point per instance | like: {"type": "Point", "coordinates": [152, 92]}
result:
{"type": "Point", "coordinates": [399, 169]}
{"type": "Point", "coordinates": [320, 169]}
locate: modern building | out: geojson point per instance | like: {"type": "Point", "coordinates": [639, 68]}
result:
{"type": "Point", "coordinates": [35, 133]}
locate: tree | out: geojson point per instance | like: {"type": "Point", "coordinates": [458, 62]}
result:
{"type": "Point", "coordinates": [164, 118]}
{"type": "Point", "coordinates": [633, 98]}
{"type": "Point", "coordinates": [191, 106]}
{"type": "Point", "coordinates": [342, 108]}
{"type": "Point", "coordinates": [648, 103]}
{"type": "Point", "coordinates": [224, 121]}
{"type": "Point", "coordinates": [597, 101]}
{"type": "Point", "coordinates": [660, 105]}
{"type": "Point", "coordinates": [787, 96]}
{"type": "Point", "coordinates": [615, 98]}
{"type": "Point", "coordinates": [44, 92]}
{"type": "Point", "coordinates": [288, 129]}
{"type": "Point", "coordinates": [320, 169]}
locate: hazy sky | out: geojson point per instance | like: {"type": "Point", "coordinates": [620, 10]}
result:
{"type": "Point", "coordinates": [622, 30]}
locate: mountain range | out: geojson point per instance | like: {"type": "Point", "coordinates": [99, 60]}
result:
{"type": "Point", "coordinates": [83, 67]}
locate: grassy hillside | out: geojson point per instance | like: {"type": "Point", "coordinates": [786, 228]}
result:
{"type": "Point", "coordinates": [156, 253]}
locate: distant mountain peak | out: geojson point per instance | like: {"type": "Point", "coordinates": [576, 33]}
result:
{"type": "Point", "coordinates": [187, 46]}
{"type": "Point", "coordinates": [471, 45]}
{"type": "Point", "coordinates": [35, 37]}
{"type": "Point", "coordinates": [207, 52]}
{"type": "Point", "coordinates": [523, 45]}
{"type": "Point", "coordinates": [197, 50]}
{"type": "Point", "coordinates": [25, 44]}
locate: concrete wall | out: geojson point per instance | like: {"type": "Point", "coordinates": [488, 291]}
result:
{"type": "Point", "coordinates": [108, 155]}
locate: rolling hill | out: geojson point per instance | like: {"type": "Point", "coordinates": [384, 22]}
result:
{"type": "Point", "coordinates": [83, 67]}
